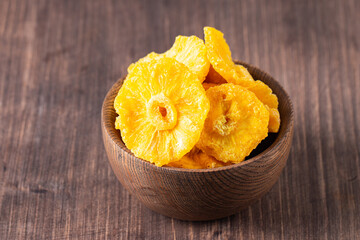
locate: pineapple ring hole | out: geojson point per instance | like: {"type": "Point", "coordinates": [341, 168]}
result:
{"type": "Point", "coordinates": [162, 112]}
{"type": "Point", "coordinates": [224, 125]}
{"type": "Point", "coordinates": [227, 119]}
{"type": "Point", "coordinates": [226, 122]}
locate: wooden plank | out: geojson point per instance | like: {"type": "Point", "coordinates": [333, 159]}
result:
{"type": "Point", "coordinates": [59, 58]}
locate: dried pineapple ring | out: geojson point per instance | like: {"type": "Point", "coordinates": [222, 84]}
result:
{"type": "Point", "coordinates": [196, 159]}
{"type": "Point", "coordinates": [162, 108]}
{"type": "Point", "coordinates": [237, 122]}
{"type": "Point", "coordinates": [244, 76]}
{"type": "Point", "coordinates": [207, 161]}
{"type": "Point", "coordinates": [264, 93]}
{"type": "Point", "coordinates": [219, 55]}
{"type": "Point", "coordinates": [147, 58]}
{"type": "Point", "coordinates": [186, 162]}
{"type": "Point", "coordinates": [274, 120]}
{"type": "Point", "coordinates": [190, 51]}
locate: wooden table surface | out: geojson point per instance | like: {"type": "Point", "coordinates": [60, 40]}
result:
{"type": "Point", "coordinates": [59, 58]}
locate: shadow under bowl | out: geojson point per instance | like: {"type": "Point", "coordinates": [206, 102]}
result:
{"type": "Point", "coordinates": [201, 194]}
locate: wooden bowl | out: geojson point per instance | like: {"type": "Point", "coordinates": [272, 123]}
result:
{"type": "Point", "coordinates": [201, 194]}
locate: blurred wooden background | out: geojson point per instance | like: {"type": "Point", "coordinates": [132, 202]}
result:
{"type": "Point", "coordinates": [59, 58]}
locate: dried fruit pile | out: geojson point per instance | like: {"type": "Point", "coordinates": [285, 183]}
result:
{"type": "Point", "coordinates": [193, 107]}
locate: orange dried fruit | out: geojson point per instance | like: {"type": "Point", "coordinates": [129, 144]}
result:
{"type": "Point", "coordinates": [196, 159]}
{"type": "Point", "coordinates": [162, 108]}
{"type": "Point", "coordinates": [209, 85]}
{"type": "Point", "coordinates": [214, 77]}
{"type": "Point", "coordinates": [274, 120]}
{"type": "Point", "coordinates": [191, 51]}
{"type": "Point", "coordinates": [219, 55]}
{"type": "Point", "coordinates": [207, 161]}
{"type": "Point", "coordinates": [237, 122]}
{"type": "Point", "coordinates": [264, 93]}
{"type": "Point", "coordinates": [244, 76]}
{"type": "Point", "coordinates": [147, 58]}
{"type": "Point", "coordinates": [186, 162]}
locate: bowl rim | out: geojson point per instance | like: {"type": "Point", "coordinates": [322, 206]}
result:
{"type": "Point", "coordinates": [272, 149]}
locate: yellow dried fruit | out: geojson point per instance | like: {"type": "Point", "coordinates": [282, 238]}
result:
{"type": "Point", "coordinates": [214, 77]}
{"type": "Point", "coordinates": [274, 120]}
{"type": "Point", "coordinates": [147, 58]}
{"type": "Point", "coordinates": [243, 74]}
{"type": "Point", "coordinates": [219, 55]}
{"type": "Point", "coordinates": [209, 85]}
{"type": "Point", "coordinates": [186, 162]}
{"type": "Point", "coordinates": [264, 93]}
{"type": "Point", "coordinates": [190, 51]}
{"type": "Point", "coordinates": [162, 108]}
{"type": "Point", "coordinates": [207, 161]}
{"type": "Point", "coordinates": [196, 159]}
{"type": "Point", "coordinates": [237, 122]}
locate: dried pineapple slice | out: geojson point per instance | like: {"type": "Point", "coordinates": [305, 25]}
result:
{"type": "Point", "coordinates": [264, 93]}
{"type": "Point", "coordinates": [191, 51]}
{"type": "Point", "coordinates": [219, 55]}
{"type": "Point", "coordinates": [274, 120]}
{"type": "Point", "coordinates": [196, 159]}
{"type": "Point", "coordinates": [162, 108]}
{"type": "Point", "coordinates": [245, 77]}
{"type": "Point", "coordinates": [207, 161]}
{"type": "Point", "coordinates": [237, 122]}
{"type": "Point", "coordinates": [186, 162]}
{"type": "Point", "coordinates": [147, 58]}
{"type": "Point", "coordinates": [214, 77]}
{"type": "Point", "coordinates": [209, 85]}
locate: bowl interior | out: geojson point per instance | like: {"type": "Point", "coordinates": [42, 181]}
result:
{"type": "Point", "coordinates": [267, 146]}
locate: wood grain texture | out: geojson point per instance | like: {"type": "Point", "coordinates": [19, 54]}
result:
{"type": "Point", "coordinates": [205, 194]}
{"type": "Point", "coordinates": [59, 58]}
